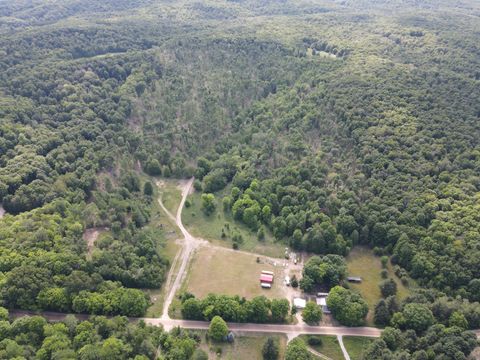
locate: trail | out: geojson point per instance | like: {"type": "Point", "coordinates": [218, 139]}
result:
{"type": "Point", "coordinates": [189, 244]}
{"type": "Point", "coordinates": [342, 346]}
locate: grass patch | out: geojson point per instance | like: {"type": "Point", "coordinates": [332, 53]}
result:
{"type": "Point", "coordinates": [329, 346]}
{"type": "Point", "coordinates": [244, 347]}
{"type": "Point", "coordinates": [231, 273]}
{"type": "Point", "coordinates": [171, 195]}
{"type": "Point", "coordinates": [361, 262]}
{"type": "Point", "coordinates": [356, 345]}
{"type": "Point", "coordinates": [210, 228]}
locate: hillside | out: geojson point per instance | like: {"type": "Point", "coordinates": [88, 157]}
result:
{"type": "Point", "coordinates": [321, 125]}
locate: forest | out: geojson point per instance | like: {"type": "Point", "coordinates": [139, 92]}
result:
{"type": "Point", "coordinates": [327, 124]}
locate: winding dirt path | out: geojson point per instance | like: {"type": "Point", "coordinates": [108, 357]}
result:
{"type": "Point", "coordinates": [189, 244]}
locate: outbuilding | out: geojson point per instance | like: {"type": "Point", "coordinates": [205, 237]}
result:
{"type": "Point", "coordinates": [264, 278]}
{"type": "Point", "coordinates": [299, 303]}
{"type": "Point", "coordinates": [354, 279]}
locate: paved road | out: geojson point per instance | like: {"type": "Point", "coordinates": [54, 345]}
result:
{"type": "Point", "coordinates": [168, 324]}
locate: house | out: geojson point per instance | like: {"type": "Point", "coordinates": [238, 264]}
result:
{"type": "Point", "coordinates": [354, 279]}
{"type": "Point", "coordinates": [299, 303]}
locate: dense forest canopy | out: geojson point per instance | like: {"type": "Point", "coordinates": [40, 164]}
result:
{"type": "Point", "coordinates": [328, 123]}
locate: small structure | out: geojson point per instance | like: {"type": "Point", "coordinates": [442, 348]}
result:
{"type": "Point", "coordinates": [266, 285]}
{"type": "Point", "coordinates": [287, 280]}
{"type": "Point", "coordinates": [354, 279]}
{"type": "Point", "coordinates": [264, 278]}
{"type": "Point", "coordinates": [322, 302]}
{"type": "Point", "coordinates": [299, 303]}
{"type": "Point", "coordinates": [267, 272]}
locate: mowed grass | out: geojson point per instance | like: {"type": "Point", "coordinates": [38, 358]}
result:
{"type": "Point", "coordinates": [329, 346]}
{"type": "Point", "coordinates": [244, 347]}
{"type": "Point", "coordinates": [210, 228]}
{"type": "Point", "coordinates": [356, 345]}
{"type": "Point", "coordinates": [223, 271]}
{"type": "Point", "coordinates": [362, 262]}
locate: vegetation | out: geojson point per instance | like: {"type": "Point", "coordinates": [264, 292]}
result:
{"type": "Point", "coordinates": [322, 124]}
{"type": "Point", "coordinates": [297, 350]}
{"type": "Point", "coordinates": [235, 309]}
{"type": "Point", "coordinates": [325, 344]}
{"type": "Point", "coordinates": [312, 314]}
{"type": "Point", "coordinates": [356, 346]}
{"type": "Point", "coordinates": [98, 337]}
{"type": "Point", "coordinates": [347, 307]}
{"type": "Point", "coordinates": [218, 329]}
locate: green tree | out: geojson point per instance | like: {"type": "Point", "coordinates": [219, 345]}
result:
{"type": "Point", "coordinates": [280, 309]}
{"type": "Point", "coordinates": [459, 320]}
{"type": "Point", "coordinates": [382, 314]}
{"type": "Point", "coordinates": [417, 317]}
{"type": "Point", "coordinates": [297, 350]}
{"type": "Point", "coordinates": [388, 288]}
{"type": "Point", "coordinates": [270, 350]}
{"type": "Point", "coordinates": [148, 188]}
{"type": "Point", "coordinates": [347, 307]}
{"type": "Point", "coordinates": [312, 314]}
{"type": "Point", "coordinates": [218, 329]}
{"type": "Point", "coordinates": [208, 204]}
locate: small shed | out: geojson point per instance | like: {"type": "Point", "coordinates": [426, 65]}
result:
{"type": "Point", "coordinates": [354, 279]}
{"type": "Point", "coordinates": [299, 303]}
{"type": "Point", "coordinates": [266, 285]}
{"type": "Point", "coordinates": [264, 278]}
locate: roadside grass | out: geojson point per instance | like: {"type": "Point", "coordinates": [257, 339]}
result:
{"type": "Point", "coordinates": [356, 345]}
{"type": "Point", "coordinates": [362, 262]}
{"type": "Point", "coordinates": [329, 346]}
{"type": "Point", "coordinates": [223, 271]}
{"type": "Point", "coordinates": [244, 347]}
{"type": "Point", "coordinates": [210, 228]}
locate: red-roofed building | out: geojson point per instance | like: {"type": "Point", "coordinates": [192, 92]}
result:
{"type": "Point", "coordinates": [264, 278]}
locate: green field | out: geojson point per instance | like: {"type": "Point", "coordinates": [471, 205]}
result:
{"type": "Point", "coordinates": [230, 272]}
{"type": "Point", "coordinates": [171, 194]}
{"type": "Point", "coordinates": [356, 345]}
{"type": "Point", "coordinates": [244, 347]}
{"type": "Point", "coordinates": [329, 346]}
{"type": "Point", "coordinates": [361, 262]}
{"type": "Point", "coordinates": [210, 228]}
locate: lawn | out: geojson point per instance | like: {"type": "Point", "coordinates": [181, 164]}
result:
{"type": "Point", "coordinates": [329, 347]}
{"type": "Point", "coordinates": [244, 347]}
{"type": "Point", "coordinates": [224, 271]}
{"type": "Point", "coordinates": [210, 228]}
{"type": "Point", "coordinates": [361, 262]}
{"type": "Point", "coordinates": [356, 345]}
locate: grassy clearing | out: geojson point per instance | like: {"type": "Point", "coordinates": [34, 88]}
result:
{"type": "Point", "coordinates": [356, 345]}
{"type": "Point", "coordinates": [245, 347]}
{"type": "Point", "coordinates": [361, 262]}
{"type": "Point", "coordinates": [210, 228]}
{"type": "Point", "coordinates": [231, 273]}
{"type": "Point", "coordinates": [171, 195]}
{"type": "Point", "coordinates": [329, 346]}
